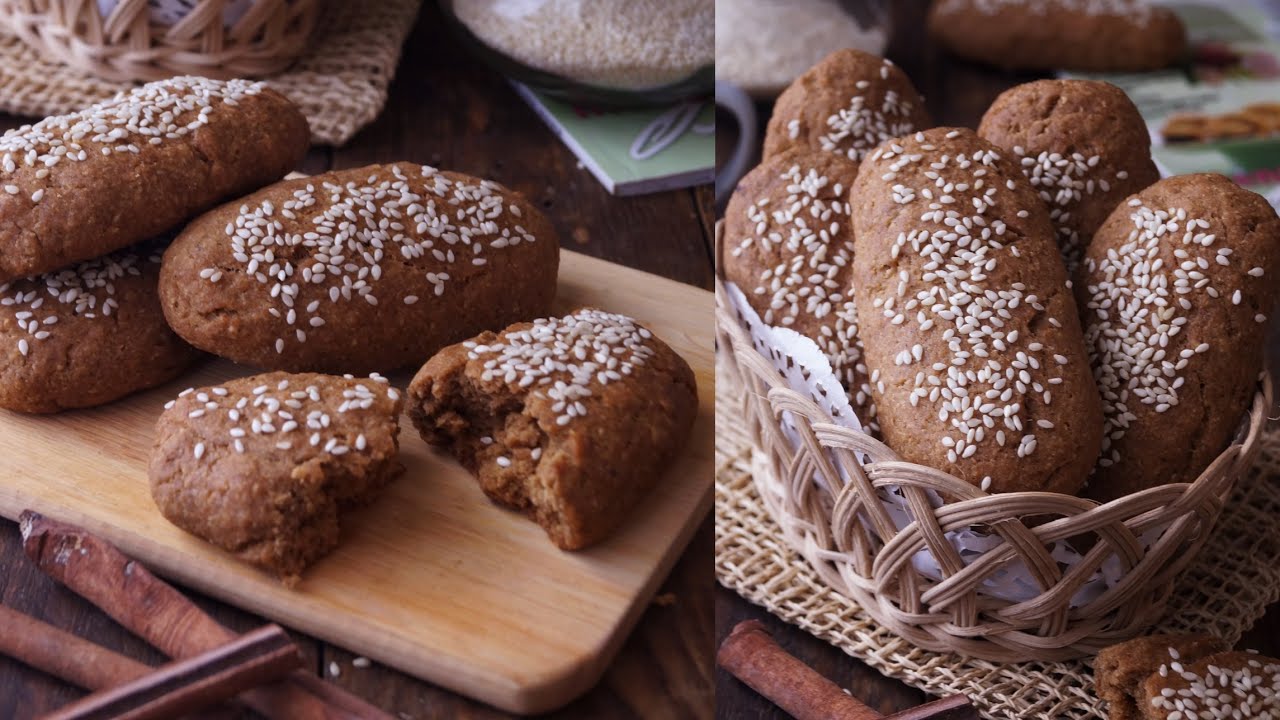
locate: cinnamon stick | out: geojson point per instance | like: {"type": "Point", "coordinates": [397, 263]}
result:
{"type": "Point", "coordinates": [62, 654]}
{"type": "Point", "coordinates": [751, 655]}
{"type": "Point", "coordinates": [184, 686]}
{"type": "Point", "coordinates": [156, 612]}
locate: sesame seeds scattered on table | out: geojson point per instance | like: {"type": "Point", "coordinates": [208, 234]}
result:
{"type": "Point", "coordinates": [564, 358]}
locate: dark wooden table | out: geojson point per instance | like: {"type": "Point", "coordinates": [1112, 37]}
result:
{"type": "Point", "coordinates": [957, 94]}
{"type": "Point", "coordinates": [444, 112]}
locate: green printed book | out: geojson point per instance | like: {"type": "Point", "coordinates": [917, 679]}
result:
{"type": "Point", "coordinates": [633, 152]}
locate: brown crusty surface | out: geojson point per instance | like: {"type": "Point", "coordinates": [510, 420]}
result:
{"type": "Point", "coordinates": [86, 335]}
{"type": "Point", "coordinates": [263, 466]}
{"type": "Point", "coordinates": [78, 186]}
{"type": "Point", "coordinates": [1082, 35]}
{"type": "Point", "coordinates": [359, 270]}
{"type": "Point", "coordinates": [975, 350]}
{"type": "Point", "coordinates": [789, 249]}
{"type": "Point", "coordinates": [569, 420]}
{"type": "Point", "coordinates": [846, 104]}
{"type": "Point", "coordinates": [1083, 146]}
{"type": "Point", "coordinates": [1176, 352]}
{"type": "Point", "coordinates": [1233, 685]}
{"type": "Point", "coordinates": [1120, 670]}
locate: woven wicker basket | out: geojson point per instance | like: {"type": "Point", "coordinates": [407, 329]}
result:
{"type": "Point", "coordinates": [127, 46]}
{"type": "Point", "coordinates": [850, 539]}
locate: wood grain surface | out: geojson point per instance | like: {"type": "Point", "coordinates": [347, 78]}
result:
{"type": "Point", "coordinates": [957, 93]}
{"type": "Point", "coordinates": [445, 111]}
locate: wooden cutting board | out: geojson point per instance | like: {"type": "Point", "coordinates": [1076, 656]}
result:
{"type": "Point", "coordinates": [431, 578]}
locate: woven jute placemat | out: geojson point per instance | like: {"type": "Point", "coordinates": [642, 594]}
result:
{"type": "Point", "coordinates": [340, 81]}
{"type": "Point", "coordinates": [1224, 592]}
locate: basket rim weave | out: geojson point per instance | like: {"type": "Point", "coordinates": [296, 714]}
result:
{"type": "Point", "coordinates": [127, 46]}
{"type": "Point", "coordinates": [848, 537]}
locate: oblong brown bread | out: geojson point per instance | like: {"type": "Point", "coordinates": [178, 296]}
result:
{"type": "Point", "coordinates": [976, 355]}
{"type": "Point", "coordinates": [263, 466]}
{"type": "Point", "coordinates": [78, 186]}
{"type": "Point", "coordinates": [1083, 146]}
{"type": "Point", "coordinates": [847, 104]}
{"type": "Point", "coordinates": [789, 249]}
{"type": "Point", "coordinates": [570, 420]}
{"type": "Point", "coordinates": [1174, 292]}
{"type": "Point", "coordinates": [1224, 685]}
{"type": "Point", "coordinates": [87, 335]}
{"type": "Point", "coordinates": [359, 270]}
{"type": "Point", "coordinates": [1083, 35]}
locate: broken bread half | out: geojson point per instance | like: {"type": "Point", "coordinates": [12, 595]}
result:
{"type": "Point", "coordinates": [264, 466]}
{"type": "Point", "coordinates": [569, 420]}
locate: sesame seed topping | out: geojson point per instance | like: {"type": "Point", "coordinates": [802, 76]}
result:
{"type": "Point", "coordinates": [986, 382]}
{"type": "Point", "coordinates": [809, 229]}
{"type": "Point", "coordinates": [855, 130]}
{"type": "Point", "coordinates": [420, 216]}
{"type": "Point", "coordinates": [564, 358]}
{"type": "Point", "coordinates": [1140, 296]}
{"type": "Point", "coordinates": [1212, 689]}
{"type": "Point", "coordinates": [275, 416]}
{"type": "Point", "coordinates": [86, 290]}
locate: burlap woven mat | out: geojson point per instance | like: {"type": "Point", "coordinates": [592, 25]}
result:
{"type": "Point", "coordinates": [1228, 588]}
{"type": "Point", "coordinates": [340, 82]}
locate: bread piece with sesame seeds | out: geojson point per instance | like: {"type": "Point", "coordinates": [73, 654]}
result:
{"type": "Point", "coordinates": [263, 466]}
{"type": "Point", "coordinates": [789, 248]}
{"type": "Point", "coordinates": [87, 335]}
{"type": "Point", "coordinates": [1081, 35]}
{"type": "Point", "coordinates": [1233, 685]}
{"type": "Point", "coordinates": [847, 104]}
{"type": "Point", "coordinates": [570, 420]}
{"type": "Point", "coordinates": [977, 360]}
{"type": "Point", "coordinates": [1119, 670]}
{"type": "Point", "coordinates": [82, 185]}
{"type": "Point", "coordinates": [1083, 146]}
{"type": "Point", "coordinates": [1173, 293]}
{"type": "Point", "coordinates": [358, 270]}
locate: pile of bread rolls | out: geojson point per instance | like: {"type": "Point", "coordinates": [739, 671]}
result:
{"type": "Point", "coordinates": [1025, 307]}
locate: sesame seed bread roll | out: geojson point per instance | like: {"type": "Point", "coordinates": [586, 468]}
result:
{"type": "Point", "coordinates": [789, 250]}
{"type": "Point", "coordinates": [87, 334]}
{"type": "Point", "coordinates": [360, 270]}
{"type": "Point", "coordinates": [78, 186]}
{"type": "Point", "coordinates": [1238, 684]}
{"type": "Point", "coordinates": [971, 335]}
{"type": "Point", "coordinates": [1083, 146]}
{"type": "Point", "coordinates": [1174, 292]}
{"type": "Point", "coordinates": [1081, 35]}
{"type": "Point", "coordinates": [846, 104]}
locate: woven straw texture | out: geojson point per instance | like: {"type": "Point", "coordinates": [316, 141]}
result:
{"type": "Point", "coordinates": [126, 45]}
{"type": "Point", "coordinates": [1224, 591]}
{"type": "Point", "coordinates": [340, 81]}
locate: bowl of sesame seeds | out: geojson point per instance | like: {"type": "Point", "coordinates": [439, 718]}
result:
{"type": "Point", "coordinates": [602, 53]}
{"type": "Point", "coordinates": [944, 564]}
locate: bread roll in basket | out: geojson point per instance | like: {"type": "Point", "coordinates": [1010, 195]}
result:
{"type": "Point", "coordinates": [826, 485]}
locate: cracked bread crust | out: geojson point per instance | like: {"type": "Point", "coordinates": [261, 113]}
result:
{"type": "Point", "coordinates": [87, 335]}
{"type": "Point", "coordinates": [579, 478]}
{"type": "Point", "coordinates": [359, 270]}
{"type": "Point", "coordinates": [219, 473]}
{"type": "Point", "coordinates": [54, 215]}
